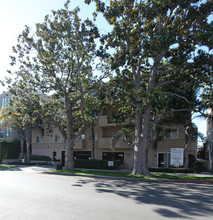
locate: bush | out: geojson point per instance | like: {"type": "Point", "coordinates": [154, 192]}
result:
{"type": "Point", "coordinates": [40, 158]}
{"type": "Point", "coordinates": [172, 170]}
{"type": "Point", "coordinates": [21, 163]}
{"type": "Point", "coordinates": [9, 150]}
{"type": "Point", "coordinates": [191, 161]}
{"type": "Point", "coordinates": [30, 163]}
{"type": "Point", "coordinates": [201, 166]}
{"type": "Point", "coordinates": [95, 164]}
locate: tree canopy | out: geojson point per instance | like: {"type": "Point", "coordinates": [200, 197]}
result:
{"type": "Point", "coordinates": [157, 56]}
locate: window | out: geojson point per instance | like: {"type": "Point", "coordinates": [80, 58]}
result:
{"type": "Point", "coordinates": [171, 133]}
{"type": "Point", "coordinates": [1, 133]}
{"type": "Point", "coordinates": [57, 138]}
{"type": "Point", "coordinates": [54, 155]}
{"type": "Point", "coordinates": [164, 160]}
{"type": "Point", "coordinates": [81, 137]}
{"type": "Point", "coordinates": [5, 101]}
{"type": "Point", "coordinates": [90, 136]}
{"type": "Point", "coordinates": [8, 132]}
{"type": "Point", "coordinates": [38, 139]}
{"type": "Point", "coordinates": [150, 134]}
{"type": "Point", "coordinates": [82, 155]}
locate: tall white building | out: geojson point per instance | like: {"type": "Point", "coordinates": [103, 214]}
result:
{"type": "Point", "coordinates": [6, 132]}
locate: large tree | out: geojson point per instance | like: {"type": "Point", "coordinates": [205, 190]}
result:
{"type": "Point", "coordinates": [22, 111]}
{"type": "Point", "coordinates": [62, 66]}
{"type": "Point", "coordinates": [153, 42]}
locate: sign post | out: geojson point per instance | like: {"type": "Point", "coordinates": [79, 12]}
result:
{"type": "Point", "coordinates": [177, 157]}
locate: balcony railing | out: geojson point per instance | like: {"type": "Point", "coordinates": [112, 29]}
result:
{"type": "Point", "coordinates": [105, 121]}
{"type": "Point", "coordinates": [106, 143]}
{"type": "Point", "coordinates": [80, 144]}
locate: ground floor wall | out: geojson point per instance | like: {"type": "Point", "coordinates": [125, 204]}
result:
{"type": "Point", "coordinates": [159, 153]}
{"type": "Point", "coordinates": [159, 157]}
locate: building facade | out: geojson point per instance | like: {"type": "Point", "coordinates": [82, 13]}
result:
{"type": "Point", "coordinates": [7, 132]}
{"type": "Point", "coordinates": [159, 154]}
{"type": "Point", "coordinates": [209, 137]}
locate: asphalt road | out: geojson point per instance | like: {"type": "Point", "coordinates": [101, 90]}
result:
{"type": "Point", "coordinates": [28, 194]}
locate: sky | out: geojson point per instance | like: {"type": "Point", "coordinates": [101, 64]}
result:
{"type": "Point", "coordinates": [15, 14]}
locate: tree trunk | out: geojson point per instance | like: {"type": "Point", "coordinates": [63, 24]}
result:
{"type": "Point", "coordinates": [69, 137]}
{"type": "Point", "coordinates": [141, 143]}
{"type": "Point", "coordinates": [28, 142]}
{"type": "Point", "coordinates": [186, 157]}
{"type": "Point", "coordinates": [137, 150]}
{"type": "Point", "coordinates": [186, 149]}
{"type": "Point", "coordinates": [144, 143]}
{"type": "Point", "coordinates": [22, 154]}
{"type": "Point", "coordinates": [69, 161]}
{"type": "Point", "coordinates": [93, 141]}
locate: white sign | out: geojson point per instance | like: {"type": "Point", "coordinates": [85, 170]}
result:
{"type": "Point", "coordinates": [177, 156]}
{"type": "Point", "coordinates": [110, 163]}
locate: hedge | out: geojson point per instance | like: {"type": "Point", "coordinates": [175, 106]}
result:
{"type": "Point", "coordinates": [9, 150]}
{"type": "Point", "coordinates": [96, 164]}
{"type": "Point", "coordinates": [40, 158]}
{"type": "Point", "coordinates": [172, 170]}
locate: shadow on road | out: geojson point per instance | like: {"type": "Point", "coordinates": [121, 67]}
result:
{"type": "Point", "coordinates": [171, 200]}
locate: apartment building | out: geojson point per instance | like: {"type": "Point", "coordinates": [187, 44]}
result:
{"type": "Point", "coordinates": [209, 137]}
{"type": "Point", "coordinates": [158, 155]}
{"type": "Point", "coordinates": [7, 132]}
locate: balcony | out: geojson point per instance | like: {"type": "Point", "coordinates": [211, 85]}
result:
{"type": "Point", "coordinates": [106, 143]}
{"type": "Point", "coordinates": [105, 121]}
{"type": "Point", "coordinates": [79, 144]}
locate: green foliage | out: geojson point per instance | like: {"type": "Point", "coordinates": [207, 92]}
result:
{"type": "Point", "coordinates": [201, 166]}
{"type": "Point", "coordinates": [57, 63]}
{"type": "Point", "coordinates": [40, 158]}
{"type": "Point", "coordinates": [172, 170]}
{"type": "Point", "coordinates": [9, 150]}
{"type": "Point", "coordinates": [155, 58]}
{"type": "Point", "coordinates": [5, 167]}
{"type": "Point", "coordinates": [18, 162]}
{"type": "Point", "coordinates": [192, 160]}
{"type": "Point", "coordinates": [95, 164]}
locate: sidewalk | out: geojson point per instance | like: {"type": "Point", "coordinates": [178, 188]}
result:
{"type": "Point", "coordinates": [49, 169]}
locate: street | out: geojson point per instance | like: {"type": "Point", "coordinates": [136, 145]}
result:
{"type": "Point", "coordinates": [27, 194]}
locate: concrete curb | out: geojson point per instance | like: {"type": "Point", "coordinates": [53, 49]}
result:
{"type": "Point", "coordinates": [132, 179]}
{"type": "Point", "coordinates": [189, 181]}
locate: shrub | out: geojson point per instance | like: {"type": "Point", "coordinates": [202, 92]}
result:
{"type": "Point", "coordinates": [201, 166]}
{"type": "Point", "coordinates": [40, 158]}
{"type": "Point", "coordinates": [191, 161]}
{"type": "Point", "coordinates": [44, 163]}
{"type": "Point", "coordinates": [9, 150]}
{"type": "Point", "coordinates": [172, 170]}
{"type": "Point", "coordinates": [21, 163]}
{"type": "Point", "coordinates": [95, 164]}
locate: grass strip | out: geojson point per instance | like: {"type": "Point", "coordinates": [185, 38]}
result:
{"type": "Point", "coordinates": [6, 166]}
{"type": "Point", "coordinates": [125, 174]}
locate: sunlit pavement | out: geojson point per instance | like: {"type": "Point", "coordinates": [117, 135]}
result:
{"type": "Point", "coordinates": [48, 169]}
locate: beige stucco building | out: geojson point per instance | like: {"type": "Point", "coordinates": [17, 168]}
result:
{"type": "Point", "coordinates": [209, 135]}
{"type": "Point", "coordinates": [52, 145]}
